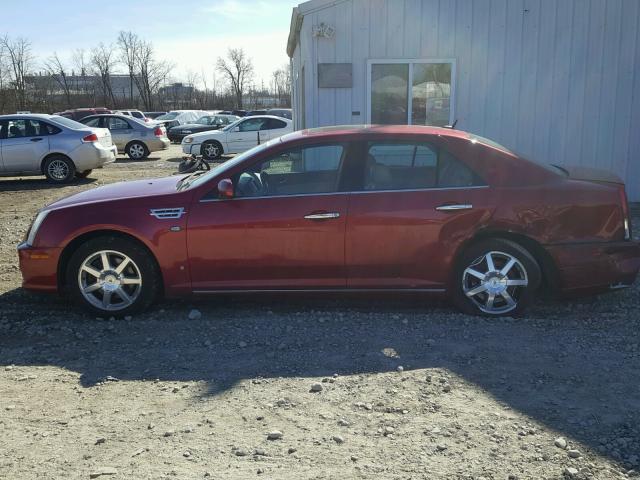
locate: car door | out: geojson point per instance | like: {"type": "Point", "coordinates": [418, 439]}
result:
{"type": "Point", "coordinates": [24, 145]}
{"type": "Point", "coordinates": [245, 135]}
{"type": "Point", "coordinates": [283, 229]}
{"type": "Point", "coordinates": [415, 205]}
{"type": "Point", "coordinates": [121, 132]}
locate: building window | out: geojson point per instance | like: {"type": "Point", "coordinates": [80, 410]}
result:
{"type": "Point", "coordinates": [411, 92]}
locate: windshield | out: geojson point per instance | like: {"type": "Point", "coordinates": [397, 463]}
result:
{"type": "Point", "coordinates": [199, 178]}
{"type": "Point", "coordinates": [168, 116]}
{"type": "Point", "coordinates": [231, 126]}
{"type": "Point", "coordinates": [67, 122]}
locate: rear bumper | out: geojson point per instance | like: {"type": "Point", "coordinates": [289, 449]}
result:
{"type": "Point", "coordinates": [39, 267]}
{"type": "Point", "coordinates": [93, 155]}
{"type": "Point", "coordinates": [158, 143]}
{"type": "Point", "coordinates": [596, 267]}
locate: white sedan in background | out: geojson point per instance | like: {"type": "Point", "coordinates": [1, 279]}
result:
{"type": "Point", "coordinates": [57, 147]}
{"type": "Point", "coordinates": [238, 137]}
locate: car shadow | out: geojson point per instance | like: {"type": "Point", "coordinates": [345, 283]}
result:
{"type": "Point", "coordinates": [222, 159]}
{"type": "Point", "coordinates": [150, 158]}
{"type": "Point", "coordinates": [573, 367]}
{"type": "Point", "coordinates": [22, 184]}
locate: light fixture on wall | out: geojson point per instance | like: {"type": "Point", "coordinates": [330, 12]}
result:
{"type": "Point", "coordinates": [323, 31]}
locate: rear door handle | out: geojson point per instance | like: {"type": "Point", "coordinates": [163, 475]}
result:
{"type": "Point", "coordinates": [36, 139]}
{"type": "Point", "coordinates": [322, 216]}
{"type": "Point", "coordinates": [454, 207]}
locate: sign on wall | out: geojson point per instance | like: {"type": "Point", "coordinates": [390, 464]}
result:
{"type": "Point", "coordinates": [335, 75]}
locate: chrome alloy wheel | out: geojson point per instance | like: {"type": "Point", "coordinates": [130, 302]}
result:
{"type": "Point", "coordinates": [211, 150]}
{"type": "Point", "coordinates": [109, 280]}
{"type": "Point", "coordinates": [136, 151]}
{"type": "Point", "coordinates": [58, 170]}
{"type": "Point", "coordinates": [495, 282]}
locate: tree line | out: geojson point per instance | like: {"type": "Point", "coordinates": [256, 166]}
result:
{"type": "Point", "coordinates": [129, 74]}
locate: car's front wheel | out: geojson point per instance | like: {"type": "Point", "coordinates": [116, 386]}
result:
{"type": "Point", "coordinates": [113, 276]}
{"type": "Point", "coordinates": [495, 277]}
{"type": "Point", "coordinates": [59, 169]}
{"type": "Point", "coordinates": [211, 150]}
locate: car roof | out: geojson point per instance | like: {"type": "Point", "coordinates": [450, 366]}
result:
{"type": "Point", "coordinates": [266, 116]}
{"type": "Point", "coordinates": [379, 130]}
{"type": "Point", "coordinates": [27, 115]}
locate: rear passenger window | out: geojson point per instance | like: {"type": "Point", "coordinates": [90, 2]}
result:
{"type": "Point", "coordinates": [48, 129]}
{"type": "Point", "coordinates": [274, 124]}
{"type": "Point", "coordinates": [413, 166]}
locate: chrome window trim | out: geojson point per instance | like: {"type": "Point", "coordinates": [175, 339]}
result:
{"type": "Point", "coordinates": [356, 192]}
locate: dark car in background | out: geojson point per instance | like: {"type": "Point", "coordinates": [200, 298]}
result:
{"type": "Point", "coordinates": [253, 113]}
{"type": "Point", "coordinates": [281, 112]}
{"type": "Point", "coordinates": [203, 124]}
{"type": "Point", "coordinates": [80, 113]}
{"type": "Point", "coordinates": [237, 113]}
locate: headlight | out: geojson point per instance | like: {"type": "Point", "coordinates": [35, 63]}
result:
{"type": "Point", "coordinates": [187, 140]}
{"type": "Point", "coordinates": [33, 231]}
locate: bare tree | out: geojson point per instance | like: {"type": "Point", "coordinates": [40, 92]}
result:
{"type": "Point", "coordinates": [129, 45]}
{"type": "Point", "coordinates": [55, 68]}
{"type": "Point", "coordinates": [281, 79]}
{"type": "Point", "coordinates": [103, 62]}
{"type": "Point", "coordinates": [19, 59]}
{"type": "Point", "coordinates": [150, 73]}
{"type": "Point", "coordinates": [238, 70]}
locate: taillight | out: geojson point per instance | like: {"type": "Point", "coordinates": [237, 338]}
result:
{"type": "Point", "coordinates": [158, 132]}
{"type": "Point", "coordinates": [92, 137]}
{"type": "Point", "coordinates": [626, 217]}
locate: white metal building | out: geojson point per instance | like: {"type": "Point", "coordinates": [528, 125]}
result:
{"type": "Point", "coordinates": [555, 80]}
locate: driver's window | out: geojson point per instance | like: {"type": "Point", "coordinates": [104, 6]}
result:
{"type": "Point", "coordinates": [302, 171]}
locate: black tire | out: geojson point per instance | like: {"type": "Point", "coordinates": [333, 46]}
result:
{"type": "Point", "coordinates": [475, 258]}
{"type": "Point", "coordinates": [59, 169]}
{"type": "Point", "coordinates": [211, 150]}
{"type": "Point", "coordinates": [142, 264]}
{"type": "Point", "coordinates": [84, 174]}
{"type": "Point", "coordinates": [136, 150]}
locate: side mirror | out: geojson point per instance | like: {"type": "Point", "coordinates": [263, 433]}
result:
{"type": "Point", "coordinates": [225, 189]}
{"type": "Point", "coordinates": [237, 129]}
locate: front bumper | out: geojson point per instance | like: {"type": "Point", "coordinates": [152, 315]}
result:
{"type": "Point", "coordinates": [191, 148]}
{"type": "Point", "coordinates": [39, 267]}
{"type": "Point", "coordinates": [176, 137]}
{"type": "Point", "coordinates": [596, 267]}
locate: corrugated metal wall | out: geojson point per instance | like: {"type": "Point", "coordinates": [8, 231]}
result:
{"type": "Point", "coordinates": [556, 80]}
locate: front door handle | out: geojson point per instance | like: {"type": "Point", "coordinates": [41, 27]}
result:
{"type": "Point", "coordinates": [36, 139]}
{"type": "Point", "coordinates": [322, 216]}
{"type": "Point", "coordinates": [454, 207]}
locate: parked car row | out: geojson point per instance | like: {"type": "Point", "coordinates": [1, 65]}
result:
{"type": "Point", "coordinates": [203, 124]}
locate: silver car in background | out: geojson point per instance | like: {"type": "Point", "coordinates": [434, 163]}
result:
{"type": "Point", "coordinates": [134, 137]}
{"type": "Point", "coordinates": [57, 147]}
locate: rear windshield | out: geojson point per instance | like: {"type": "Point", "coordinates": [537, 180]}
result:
{"type": "Point", "coordinates": [67, 122]}
{"type": "Point", "coordinates": [490, 143]}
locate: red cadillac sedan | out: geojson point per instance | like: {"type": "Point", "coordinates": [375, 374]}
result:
{"type": "Point", "coordinates": [355, 209]}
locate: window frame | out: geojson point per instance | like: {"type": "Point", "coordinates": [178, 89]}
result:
{"type": "Point", "coordinates": [359, 183]}
{"type": "Point", "coordinates": [411, 62]}
{"type": "Point", "coordinates": [109, 119]}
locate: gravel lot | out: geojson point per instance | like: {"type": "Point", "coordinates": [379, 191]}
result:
{"type": "Point", "coordinates": [309, 387]}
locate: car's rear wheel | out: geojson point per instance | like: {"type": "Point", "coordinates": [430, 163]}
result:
{"type": "Point", "coordinates": [83, 174]}
{"type": "Point", "coordinates": [113, 276]}
{"type": "Point", "coordinates": [495, 277]}
{"type": "Point", "coordinates": [137, 150]}
{"type": "Point", "coordinates": [211, 150]}
{"type": "Point", "coordinates": [59, 169]}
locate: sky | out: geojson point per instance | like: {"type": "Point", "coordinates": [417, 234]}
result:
{"type": "Point", "coordinates": [192, 34]}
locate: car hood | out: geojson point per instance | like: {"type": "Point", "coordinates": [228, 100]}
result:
{"type": "Point", "coordinates": [187, 126]}
{"type": "Point", "coordinates": [120, 191]}
{"type": "Point", "coordinates": [207, 134]}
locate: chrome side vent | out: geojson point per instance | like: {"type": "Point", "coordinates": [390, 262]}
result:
{"type": "Point", "coordinates": [167, 213]}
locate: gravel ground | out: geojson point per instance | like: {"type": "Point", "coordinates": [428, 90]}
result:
{"type": "Point", "coordinates": [309, 387]}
